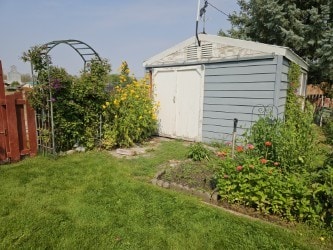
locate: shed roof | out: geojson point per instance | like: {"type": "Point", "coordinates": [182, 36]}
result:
{"type": "Point", "coordinates": [218, 48]}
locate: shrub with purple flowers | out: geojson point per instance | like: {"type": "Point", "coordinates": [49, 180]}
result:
{"type": "Point", "coordinates": [77, 103]}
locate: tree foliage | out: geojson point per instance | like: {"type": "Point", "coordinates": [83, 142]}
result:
{"type": "Point", "coordinates": [36, 57]}
{"type": "Point", "coordinates": [304, 26]}
{"type": "Point", "coordinates": [15, 84]}
{"type": "Point", "coordinates": [26, 78]}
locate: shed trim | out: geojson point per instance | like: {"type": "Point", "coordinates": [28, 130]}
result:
{"type": "Point", "coordinates": [211, 61]}
{"type": "Point", "coordinates": [277, 86]}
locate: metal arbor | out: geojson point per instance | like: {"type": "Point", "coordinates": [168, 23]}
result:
{"type": "Point", "coordinates": [86, 52]}
{"type": "Point", "coordinates": [44, 118]}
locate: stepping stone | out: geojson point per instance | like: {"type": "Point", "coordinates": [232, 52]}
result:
{"type": "Point", "coordinates": [124, 151]}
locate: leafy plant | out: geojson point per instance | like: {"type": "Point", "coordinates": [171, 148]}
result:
{"type": "Point", "coordinates": [275, 174]}
{"type": "Point", "coordinates": [198, 152]}
{"type": "Point", "coordinates": [294, 138]}
{"type": "Point", "coordinates": [77, 103]}
{"type": "Point", "coordinates": [328, 130]}
{"type": "Point", "coordinates": [129, 114]}
{"type": "Point", "coordinates": [265, 185]}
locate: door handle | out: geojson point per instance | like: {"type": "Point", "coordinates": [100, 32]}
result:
{"type": "Point", "coordinates": [174, 99]}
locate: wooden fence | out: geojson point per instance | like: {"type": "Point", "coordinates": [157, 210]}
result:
{"type": "Point", "coordinates": [18, 136]}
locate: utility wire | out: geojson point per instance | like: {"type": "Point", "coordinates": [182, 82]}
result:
{"type": "Point", "coordinates": [219, 10]}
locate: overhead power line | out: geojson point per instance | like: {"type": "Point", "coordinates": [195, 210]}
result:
{"type": "Point", "coordinates": [218, 9]}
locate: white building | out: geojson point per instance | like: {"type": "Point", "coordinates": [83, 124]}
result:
{"type": "Point", "coordinates": [13, 75]}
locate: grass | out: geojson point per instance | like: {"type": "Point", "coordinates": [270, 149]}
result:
{"type": "Point", "coordinates": [96, 201]}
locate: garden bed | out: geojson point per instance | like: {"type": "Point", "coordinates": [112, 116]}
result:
{"type": "Point", "coordinates": [198, 179]}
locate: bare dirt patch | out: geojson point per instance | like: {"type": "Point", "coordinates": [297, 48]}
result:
{"type": "Point", "coordinates": [143, 149]}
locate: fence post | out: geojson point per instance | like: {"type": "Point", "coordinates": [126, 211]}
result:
{"type": "Point", "coordinates": [14, 151]}
{"type": "Point", "coordinates": [32, 132]}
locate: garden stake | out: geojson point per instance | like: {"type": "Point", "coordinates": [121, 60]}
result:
{"type": "Point", "coordinates": [234, 137]}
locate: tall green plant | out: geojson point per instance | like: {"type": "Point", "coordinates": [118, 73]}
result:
{"type": "Point", "coordinates": [129, 114]}
{"type": "Point", "coordinates": [299, 127]}
{"type": "Point", "coordinates": [88, 96]}
{"type": "Point", "coordinates": [293, 139]}
{"type": "Point", "coordinates": [328, 130]}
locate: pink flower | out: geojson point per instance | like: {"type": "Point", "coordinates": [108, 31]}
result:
{"type": "Point", "coordinates": [239, 168]}
{"type": "Point", "coordinates": [268, 143]}
{"type": "Point", "coordinates": [226, 176]}
{"type": "Point", "coordinates": [263, 161]}
{"type": "Point", "coordinates": [239, 149]}
{"type": "Point", "coordinates": [221, 154]}
{"type": "Point", "coordinates": [276, 164]}
{"type": "Point", "coordinates": [250, 146]}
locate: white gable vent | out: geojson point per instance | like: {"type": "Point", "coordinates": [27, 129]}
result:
{"type": "Point", "coordinates": [207, 50]}
{"type": "Point", "coordinates": [192, 52]}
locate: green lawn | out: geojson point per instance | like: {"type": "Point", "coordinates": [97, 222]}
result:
{"type": "Point", "coordinates": [95, 201]}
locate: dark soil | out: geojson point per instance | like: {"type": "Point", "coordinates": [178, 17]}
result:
{"type": "Point", "coordinates": [198, 175]}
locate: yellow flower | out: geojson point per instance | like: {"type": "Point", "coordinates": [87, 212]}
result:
{"type": "Point", "coordinates": [107, 103]}
{"type": "Point", "coordinates": [103, 106]}
{"type": "Point", "coordinates": [123, 98]}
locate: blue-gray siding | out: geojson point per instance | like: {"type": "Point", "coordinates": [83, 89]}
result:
{"type": "Point", "coordinates": [236, 90]}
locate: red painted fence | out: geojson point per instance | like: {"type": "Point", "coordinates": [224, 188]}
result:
{"type": "Point", "coordinates": [18, 136]}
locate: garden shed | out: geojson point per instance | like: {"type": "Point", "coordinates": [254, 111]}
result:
{"type": "Point", "coordinates": [202, 88]}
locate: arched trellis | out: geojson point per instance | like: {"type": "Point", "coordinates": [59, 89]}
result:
{"type": "Point", "coordinates": [86, 52]}
{"type": "Point", "coordinates": [45, 118]}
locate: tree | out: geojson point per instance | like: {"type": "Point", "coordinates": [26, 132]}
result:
{"type": "Point", "coordinates": [26, 78]}
{"type": "Point", "coordinates": [304, 26]}
{"type": "Point", "coordinates": [15, 84]}
{"type": "Point", "coordinates": [38, 61]}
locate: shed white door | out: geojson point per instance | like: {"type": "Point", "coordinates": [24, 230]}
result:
{"type": "Point", "coordinates": [180, 92]}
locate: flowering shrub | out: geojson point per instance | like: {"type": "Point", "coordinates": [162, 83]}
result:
{"type": "Point", "coordinates": [262, 184]}
{"type": "Point", "coordinates": [76, 103]}
{"type": "Point", "coordinates": [291, 141]}
{"type": "Point", "coordinates": [275, 173]}
{"type": "Point", "coordinates": [129, 115]}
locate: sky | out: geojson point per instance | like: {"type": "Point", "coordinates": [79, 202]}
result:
{"type": "Point", "coordinates": [130, 30]}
